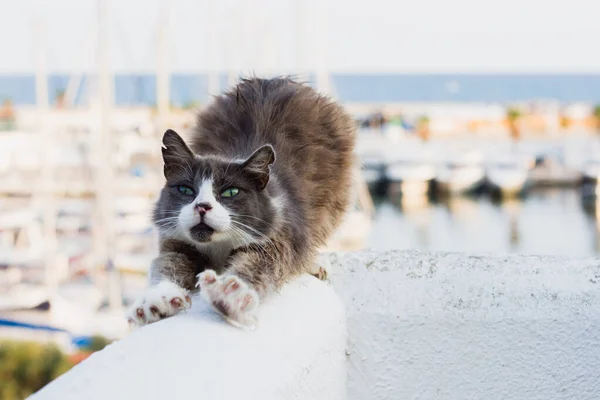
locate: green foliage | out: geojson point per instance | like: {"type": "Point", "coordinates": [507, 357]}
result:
{"type": "Point", "coordinates": [191, 105]}
{"type": "Point", "coordinates": [423, 120]}
{"type": "Point", "coordinates": [596, 111]}
{"type": "Point", "coordinates": [26, 367]}
{"type": "Point", "coordinates": [97, 343]}
{"type": "Point", "coordinates": [513, 114]}
{"type": "Point", "coordinates": [396, 120]}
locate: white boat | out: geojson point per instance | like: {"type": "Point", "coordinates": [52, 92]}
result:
{"type": "Point", "coordinates": [461, 172]}
{"type": "Point", "coordinates": [410, 169]}
{"type": "Point", "coordinates": [509, 174]}
{"type": "Point", "coordinates": [552, 173]}
{"type": "Point", "coordinates": [412, 179]}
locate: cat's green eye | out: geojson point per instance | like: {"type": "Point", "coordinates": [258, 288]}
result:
{"type": "Point", "coordinates": [185, 190]}
{"type": "Point", "coordinates": [231, 192]}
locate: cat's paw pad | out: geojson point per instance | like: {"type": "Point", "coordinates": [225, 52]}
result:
{"type": "Point", "coordinates": [158, 302]}
{"type": "Point", "coordinates": [230, 296]}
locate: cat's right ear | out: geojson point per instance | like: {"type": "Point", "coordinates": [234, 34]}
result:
{"type": "Point", "coordinates": [175, 153]}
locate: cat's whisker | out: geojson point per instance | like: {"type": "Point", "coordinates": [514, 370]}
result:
{"type": "Point", "coordinates": [243, 233]}
{"type": "Point", "coordinates": [238, 237]}
{"type": "Point", "coordinates": [262, 246]}
{"type": "Point", "coordinates": [173, 221]}
{"type": "Point", "coordinates": [252, 229]}
{"type": "Point", "coordinates": [171, 213]}
{"type": "Point", "coordinates": [253, 217]}
{"type": "Point", "coordinates": [246, 236]}
{"type": "Point", "coordinates": [170, 230]}
{"type": "Point", "coordinates": [259, 247]}
{"type": "Point", "coordinates": [243, 237]}
{"type": "Point", "coordinates": [176, 218]}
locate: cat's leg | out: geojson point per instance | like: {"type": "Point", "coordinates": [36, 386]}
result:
{"type": "Point", "coordinates": [250, 275]}
{"type": "Point", "coordinates": [172, 279]}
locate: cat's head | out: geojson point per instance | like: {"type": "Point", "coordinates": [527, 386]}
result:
{"type": "Point", "coordinates": [209, 199]}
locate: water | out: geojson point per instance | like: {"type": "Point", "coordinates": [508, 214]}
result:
{"type": "Point", "coordinates": [549, 221]}
{"type": "Point", "coordinates": [138, 89]}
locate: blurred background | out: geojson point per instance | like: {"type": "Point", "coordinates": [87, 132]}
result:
{"type": "Point", "coordinates": [479, 127]}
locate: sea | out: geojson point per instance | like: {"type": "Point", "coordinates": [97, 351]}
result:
{"type": "Point", "coordinates": [545, 221]}
{"type": "Point", "coordinates": [189, 89]}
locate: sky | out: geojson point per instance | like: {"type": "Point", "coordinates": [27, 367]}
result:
{"type": "Point", "coordinates": [356, 36]}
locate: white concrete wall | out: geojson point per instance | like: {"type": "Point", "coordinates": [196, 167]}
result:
{"type": "Point", "coordinates": [297, 352]}
{"type": "Point", "coordinates": [455, 326]}
{"type": "Point", "coordinates": [420, 326]}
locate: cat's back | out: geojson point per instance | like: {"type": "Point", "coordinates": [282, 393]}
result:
{"type": "Point", "coordinates": [298, 122]}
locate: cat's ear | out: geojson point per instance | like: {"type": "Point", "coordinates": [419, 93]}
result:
{"type": "Point", "coordinates": [175, 152]}
{"type": "Point", "coordinates": [256, 166]}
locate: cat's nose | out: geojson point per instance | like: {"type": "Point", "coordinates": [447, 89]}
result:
{"type": "Point", "coordinates": [202, 208]}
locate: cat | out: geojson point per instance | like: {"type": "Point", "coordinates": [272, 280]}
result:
{"type": "Point", "coordinates": [262, 185]}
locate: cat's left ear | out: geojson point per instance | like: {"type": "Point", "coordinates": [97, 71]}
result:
{"type": "Point", "coordinates": [176, 153]}
{"type": "Point", "coordinates": [256, 166]}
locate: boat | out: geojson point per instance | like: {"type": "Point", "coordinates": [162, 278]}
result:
{"type": "Point", "coordinates": [548, 172]}
{"type": "Point", "coordinates": [410, 169]}
{"type": "Point", "coordinates": [461, 172]}
{"type": "Point", "coordinates": [508, 174]}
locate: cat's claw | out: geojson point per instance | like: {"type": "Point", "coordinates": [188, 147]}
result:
{"type": "Point", "coordinates": [158, 302]}
{"type": "Point", "coordinates": [230, 296]}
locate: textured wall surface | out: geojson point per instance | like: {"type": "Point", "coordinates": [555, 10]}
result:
{"type": "Point", "coordinates": [455, 326]}
{"type": "Point", "coordinates": [420, 326]}
{"type": "Point", "coordinates": [297, 352]}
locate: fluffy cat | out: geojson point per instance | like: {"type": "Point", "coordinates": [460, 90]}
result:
{"type": "Point", "coordinates": [264, 182]}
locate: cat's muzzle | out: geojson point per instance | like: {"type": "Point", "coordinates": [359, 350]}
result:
{"type": "Point", "coordinates": [201, 232]}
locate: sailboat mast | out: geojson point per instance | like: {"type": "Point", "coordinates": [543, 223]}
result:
{"type": "Point", "coordinates": [105, 170]}
{"type": "Point", "coordinates": [213, 49]}
{"type": "Point", "coordinates": [233, 33]}
{"type": "Point", "coordinates": [299, 35]}
{"type": "Point", "coordinates": [163, 75]}
{"type": "Point", "coordinates": [321, 43]}
{"type": "Point", "coordinates": [46, 186]}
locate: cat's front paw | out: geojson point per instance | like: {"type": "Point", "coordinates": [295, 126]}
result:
{"type": "Point", "coordinates": [230, 296]}
{"type": "Point", "coordinates": [158, 302]}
